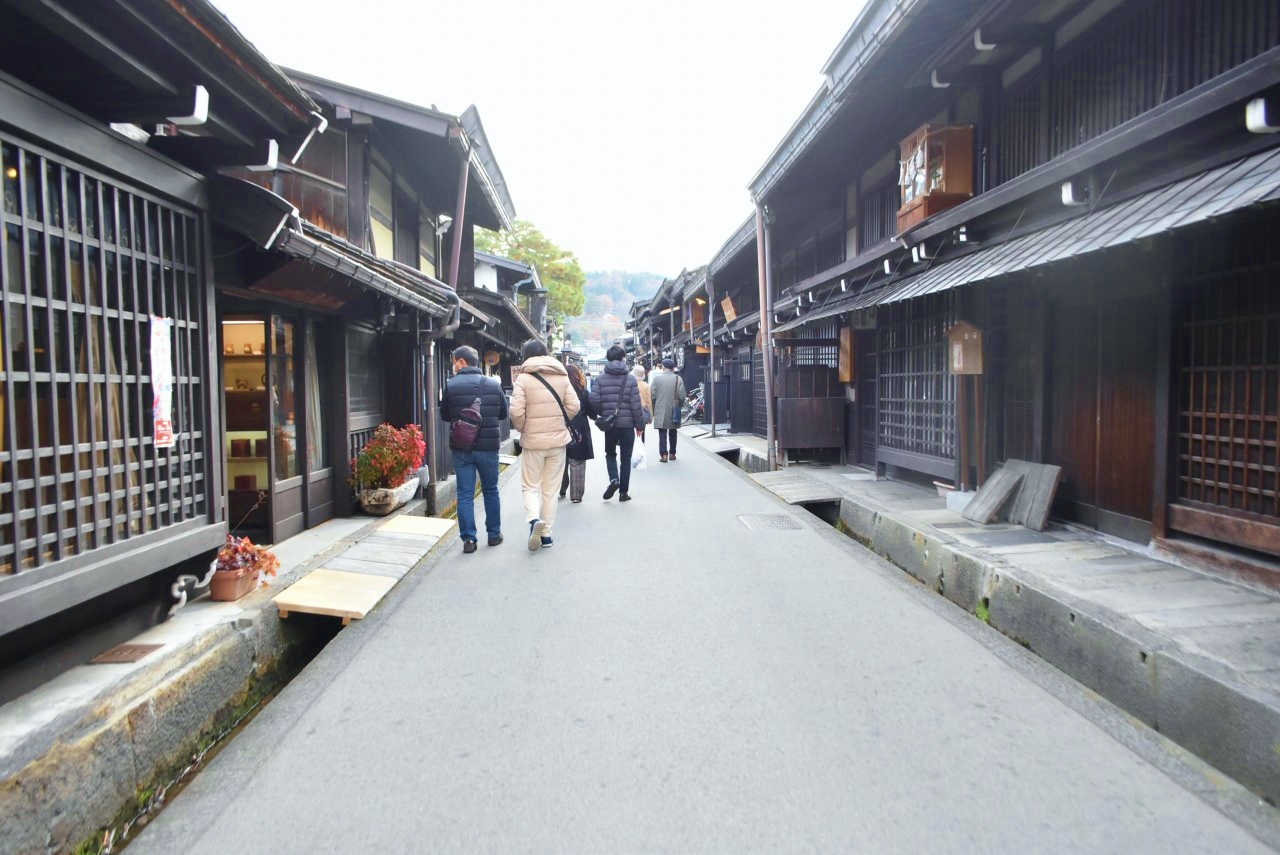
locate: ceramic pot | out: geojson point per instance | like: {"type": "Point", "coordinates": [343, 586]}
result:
{"type": "Point", "coordinates": [382, 501]}
{"type": "Point", "coordinates": [230, 585]}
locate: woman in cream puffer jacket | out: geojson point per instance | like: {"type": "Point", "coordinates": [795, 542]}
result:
{"type": "Point", "coordinates": [534, 412]}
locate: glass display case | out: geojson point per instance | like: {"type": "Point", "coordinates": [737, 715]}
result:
{"type": "Point", "coordinates": [935, 172]}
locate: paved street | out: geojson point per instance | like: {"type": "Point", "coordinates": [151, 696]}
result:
{"type": "Point", "coordinates": [666, 679]}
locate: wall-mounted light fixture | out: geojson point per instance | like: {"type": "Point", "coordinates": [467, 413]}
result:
{"type": "Point", "coordinates": [1261, 120]}
{"type": "Point", "coordinates": [1074, 193]}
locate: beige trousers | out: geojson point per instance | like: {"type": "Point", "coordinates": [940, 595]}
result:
{"type": "Point", "coordinates": [540, 473]}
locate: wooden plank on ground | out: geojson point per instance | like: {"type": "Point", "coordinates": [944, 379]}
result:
{"type": "Point", "coordinates": [795, 488]}
{"type": "Point", "coordinates": [338, 593]}
{"type": "Point", "coordinates": [985, 506]}
{"type": "Point", "coordinates": [1031, 503]}
{"type": "Point", "coordinates": [412, 524]}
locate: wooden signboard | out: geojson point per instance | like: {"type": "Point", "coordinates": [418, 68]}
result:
{"type": "Point", "coordinates": [730, 313]}
{"type": "Point", "coordinates": [846, 355]}
{"type": "Point", "coordinates": [964, 349]}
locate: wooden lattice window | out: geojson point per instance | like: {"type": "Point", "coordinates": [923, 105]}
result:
{"type": "Point", "coordinates": [917, 393]}
{"type": "Point", "coordinates": [1229, 373]}
{"type": "Point", "coordinates": [879, 218]}
{"type": "Point", "coordinates": [1018, 130]}
{"type": "Point", "coordinates": [85, 261]}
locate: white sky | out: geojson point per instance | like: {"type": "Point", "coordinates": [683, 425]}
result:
{"type": "Point", "coordinates": [626, 132]}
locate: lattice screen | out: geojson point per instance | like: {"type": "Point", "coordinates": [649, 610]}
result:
{"type": "Point", "coordinates": [84, 263]}
{"type": "Point", "coordinates": [917, 394]}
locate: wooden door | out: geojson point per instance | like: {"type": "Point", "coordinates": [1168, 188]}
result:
{"type": "Point", "coordinates": [866, 379]}
{"type": "Point", "coordinates": [288, 515]}
{"type": "Point", "coordinates": [1073, 404]}
{"type": "Point", "coordinates": [1102, 405]}
{"type": "Point", "coordinates": [317, 400]}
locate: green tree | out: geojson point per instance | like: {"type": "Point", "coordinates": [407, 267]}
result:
{"type": "Point", "coordinates": [557, 267]}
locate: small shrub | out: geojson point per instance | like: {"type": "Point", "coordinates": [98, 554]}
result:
{"type": "Point", "coordinates": [390, 458]}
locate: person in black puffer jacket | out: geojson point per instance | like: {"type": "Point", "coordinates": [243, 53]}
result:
{"type": "Point", "coordinates": [467, 384]}
{"type": "Point", "coordinates": [617, 389]}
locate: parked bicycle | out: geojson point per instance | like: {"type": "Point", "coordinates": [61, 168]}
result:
{"type": "Point", "coordinates": [693, 407]}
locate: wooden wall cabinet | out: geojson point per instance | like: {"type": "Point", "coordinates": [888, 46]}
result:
{"type": "Point", "coordinates": [935, 172]}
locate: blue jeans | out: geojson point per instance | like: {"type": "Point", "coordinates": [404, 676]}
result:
{"type": "Point", "coordinates": [466, 464]}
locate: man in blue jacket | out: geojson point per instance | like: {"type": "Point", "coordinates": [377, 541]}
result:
{"type": "Point", "coordinates": [468, 384]}
{"type": "Point", "coordinates": [615, 390]}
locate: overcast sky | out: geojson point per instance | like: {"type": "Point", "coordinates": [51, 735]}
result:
{"type": "Point", "coordinates": [626, 131]}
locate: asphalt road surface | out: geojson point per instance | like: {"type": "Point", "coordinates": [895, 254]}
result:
{"type": "Point", "coordinates": [665, 679]}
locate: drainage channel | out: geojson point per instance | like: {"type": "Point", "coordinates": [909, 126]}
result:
{"type": "Point", "coordinates": [310, 635]}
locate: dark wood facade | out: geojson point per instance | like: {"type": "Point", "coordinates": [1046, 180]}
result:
{"type": "Point", "coordinates": [107, 241]}
{"type": "Point", "coordinates": [1090, 353]}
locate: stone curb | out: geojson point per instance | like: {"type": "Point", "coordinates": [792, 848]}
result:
{"type": "Point", "coordinates": [1194, 701]}
{"type": "Point", "coordinates": [85, 770]}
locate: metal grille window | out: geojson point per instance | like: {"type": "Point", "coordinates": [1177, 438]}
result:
{"type": "Point", "coordinates": [917, 393]}
{"type": "Point", "coordinates": [1229, 377]}
{"type": "Point", "coordinates": [879, 214]}
{"type": "Point", "coordinates": [84, 263]}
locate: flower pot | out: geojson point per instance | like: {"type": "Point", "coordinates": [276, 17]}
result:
{"type": "Point", "coordinates": [230, 585]}
{"type": "Point", "coordinates": [382, 501]}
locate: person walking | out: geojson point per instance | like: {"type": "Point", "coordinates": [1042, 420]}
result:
{"type": "Point", "coordinates": [575, 470]}
{"type": "Point", "coordinates": [646, 399]}
{"type": "Point", "coordinates": [467, 385]}
{"type": "Point", "coordinates": [616, 393]}
{"type": "Point", "coordinates": [536, 400]}
{"type": "Point", "coordinates": [668, 393]}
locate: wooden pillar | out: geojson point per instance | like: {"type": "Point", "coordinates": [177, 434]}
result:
{"type": "Point", "coordinates": [1165, 406]}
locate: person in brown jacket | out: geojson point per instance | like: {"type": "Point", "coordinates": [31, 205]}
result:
{"type": "Point", "coordinates": [646, 398]}
{"type": "Point", "coordinates": [536, 398]}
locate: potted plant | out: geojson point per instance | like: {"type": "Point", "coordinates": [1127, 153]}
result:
{"type": "Point", "coordinates": [239, 566]}
{"type": "Point", "coordinates": [385, 471]}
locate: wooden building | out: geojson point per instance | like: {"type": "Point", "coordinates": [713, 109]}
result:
{"type": "Point", "coordinates": [111, 476]}
{"type": "Point", "coordinates": [1093, 185]}
{"type": "Point", "coordinates": [339, 311]}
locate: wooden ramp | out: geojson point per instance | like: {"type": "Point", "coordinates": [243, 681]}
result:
{"type": "Point", "coordinates": [351, 583]}
{"type": "Point", "coordinates": [795, 488]}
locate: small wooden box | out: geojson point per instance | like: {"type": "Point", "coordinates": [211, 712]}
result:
{"type": "Point", "coordinates": [936, 172]}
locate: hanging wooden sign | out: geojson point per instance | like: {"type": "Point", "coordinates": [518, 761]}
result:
{"type": "Point", "coordinates": [730, 313]}
{"type": "Point", "coordinates": [964, 349]}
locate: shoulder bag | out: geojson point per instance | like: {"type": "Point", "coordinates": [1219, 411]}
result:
{"type": "Point", "coordinates": [607, 421]}
{"type": "Point", "coordinates": [575, 438]}
{"type": "Point", "coordinates": [464, 431]}
{"type": "Point", "coordinates": [678, 406]}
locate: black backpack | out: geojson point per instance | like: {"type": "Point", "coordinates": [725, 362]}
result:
{"type": "Point", "coordinates": [464, 430]}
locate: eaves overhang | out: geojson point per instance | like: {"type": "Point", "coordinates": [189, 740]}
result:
{"type": "Point", "coordinates": [744, 236]}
